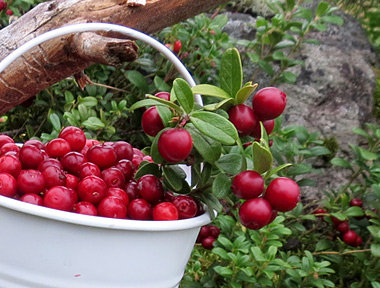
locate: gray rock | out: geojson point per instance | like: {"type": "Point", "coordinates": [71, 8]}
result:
{"type": "Point", "coordinates": [334, 89]}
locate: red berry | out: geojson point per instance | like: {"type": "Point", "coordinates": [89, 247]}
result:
{"type": "Point", "coordinates": [10, 164]}
{"type": "Point", "coordinates": [273, 216]}
{"type": "Point", "coordinates": [255, 213]}
{"type": "Point", "coordinates": [125, 166]}
{"type": "Point", "coordinates": [268, 103]}
{"type": "Point", "coordinates": [92, 189]}
{"type": "Point", "coordinates": [320, 211]}
{"type": "Point", "coordinates": [268, 125]}
{"type": "Point", "coordinates": [72, 161]}
{"type": "Point", "coordinates": [30, 181]}
{"type": "Point", "coordinates": [151, 122]}
{"type": "Point", "coordinates": [9, 12]}
{"type": "Point", "coordinates": [113, 177]}
{"type": "Point", "coordinates": [53, 176]}
{"type": "Point", "coordinates": [203, 233]}
{"type": "Point", "coordinates": [248, 184]}
{"type": "Point", "coordinates": [186, 206]}
{"type": "Point", "coordinates": [150, 188]}
{"type": "Point", "coordinates": [36, 143]}
{"type": "Point", "coordinates": [350, 237]}
{"type": "Point", "coordinates": [214, 231]}
{"type": "Point", "coordinates": [165, 211]}
{"type": "Point", "coordinates": [175, 144]}
{"type": "Point", "coordinates": [59, 197]}
{"type": "Point", "coordinates": [131, 190]}
{"type": "Point", "coordinates": [5, 138]}
{"type": "Point", "coordinates": [112, 207]}
{"type": "Point", "coordinates": [208, 242]}
{"type": "Point", "coordinates": [102, 155]}
{"type": "Point", "coordinates": [72, 181]}
{"type": "Point", "coordinates": [336, 221]}
{"type": "Point", "coordinates": [8, 185]}
{"type": "Point", "coordinates": [89, 169]}
{"type": "Point", "coordinates": [356, 202]}
{"type": "Point", "coordinates": [283, 194]}
{"type": "Point", "coordinates": [139, 209]}
{"type": "Point", "coordinates": [7, 147]}
{"type": "Point", "coordinates": [75, 136]}
{"type": "Point", "coordinates": [84, 207]}
{"type": "Point", "coordinates": [243, 118]}
{"type": "Point", "coordinates": [57, 147]}
{"type": "Point", "coordinates": [119, 193]}
{"type": "Point", "coordinates": [163, 95]}
{"type": "Point", "coordinates": [123, 150]}
{"type": "Point", "coordinates": [177, 46]}
{"type": "Point", "coordinates": [32, 198]}
{"type": "Point", "coordinates": [358, 241]}
{"type": "Point", "coordinates": [50, 162]}
{"type": "Point", "coordinates": [30, 157]}
{"type": "Point", "coordinates": [343, 227]}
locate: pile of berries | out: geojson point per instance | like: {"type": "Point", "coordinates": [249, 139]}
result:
{"type": "Point", "coordinates": [3, 7]}
{"type": "Point", "coordinates": [76, 174]}
{"type": "Point", "coordinates": [207, 236]}
{"type": "Point", "coordinates": [350, 237]}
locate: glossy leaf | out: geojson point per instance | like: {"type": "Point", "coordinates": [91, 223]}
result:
{"type": "Point", "coordinates": [262, 158]}
{"type": "Point", "coordinates": [221, 185]}
{"type": "Point", "coordinates": [243, 93]}
{"type": "Point", "coordinates": [210, 90]}
{"type": "Point", "coordinates": [231, 73]}
{"type": "Point", "coordinates": [184, 94]}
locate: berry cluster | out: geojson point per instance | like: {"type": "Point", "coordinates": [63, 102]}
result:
{"type": "Point", "coordinates": [76, 174]}
{"type": "Point", "coordinates": [267, 104]}
{"type": "Point", "coordinates": [348, 236]}
{"type": "Point", "coordinates": [207, 236]}
{"type": "Point", "coordinates": [3, 7]}
{"type": "Point", "coordinates": [260, 208]}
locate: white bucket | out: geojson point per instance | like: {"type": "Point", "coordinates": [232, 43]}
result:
{"type": "Point", "coordinates": [42, 247]}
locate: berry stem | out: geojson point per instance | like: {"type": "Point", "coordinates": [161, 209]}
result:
{"type": "Point", "coordinates": [341, 253]}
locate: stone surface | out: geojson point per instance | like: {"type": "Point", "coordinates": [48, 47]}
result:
{"type": "Point", "coordinates": [334, 89]}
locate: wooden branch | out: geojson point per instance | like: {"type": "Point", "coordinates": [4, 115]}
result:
{"type": "Point", "coordinates": [66, 56]}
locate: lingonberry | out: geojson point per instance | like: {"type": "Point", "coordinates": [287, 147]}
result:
{"type": "Point", "coordinates": [358, 241]}
{"type": "Point", "coordinates": [139, 209]}
{"type": "Point", "coordinates": [75, 136]}
{"type": "Point", "coordinates": [177, 46]}
{"type": "Point", "coordinates": [30, 157]}
{"type": "Point", "coordinates": [268, 125]}
{"type": "Point", "coordinates": [356, 202]}
{"type": "Point", "coordinates": [5, 139]}
{"type": "Point", "coordinates": [35, 142]}
{"type": "Point", "coordinates": [9, 12]}
{"type": "Point", "coordinates": [175, 144]}
{"type": "Point", "coordinates": [151, 122]}
{"type": "Point", "coordinates": [10, 164]}
{"type": "Point", "coordinates": [243, 118]}
{"type": "Point", "coordinates": [208, 242]}
{"type": "Point", "coordinates": [255, 213]}
{"type": "Point", "coordinates": [112, 207]}
{"type": "Point", "coordinates": [268, 103]}
{"type": "Point", "coordinates": [125, 166]}
{"type": "Point", "coordinates": [72, 181]}
{"type": "Point", "coordinates": [50, 162]}
{"type": "Point", "coordinates": [131, 190]}
{"type": "Point", "coordinates": [92, 189]}
{"type": "Point", "coordinates": [350, 237]}
{"type": "Point", "coordinates": [30, 181]}
{"type": "Point", "coordinates": [102, 155]}
{"type": "Point", "coordinates": [53, 176]}
{"type": "Point", "coordinates": [273, 216]}
{"type": "Point", "coordinates": [163, 95]}
{"type": "Point", "coordinates": [7, 147]}
{"type": "Point", "coordinates": [88, 169]}
{"type": "Point", "coordinates": [59, 197]}
{"type": "Point", "coordinates": [84, 207]}
{"type": "Point", "coordinates": [283, 194]}
{"type": "Point", "coordinates": [203, 233]}
{"type": "Point", "coordinates": [113, 177]}
{"type": "Point", "coordinates": [32, 198]}
{"type": "Point", "coordinates": [136, 161]}
{"type": "Point", "coordinates": [214, 231]}
{"type": "Point", "coordinates": [248, 184]}
{"type": "Point", "coordinates": [336, 221]}
{"type": "Point", "coordinates": [343, 227]}
{"type": "Point", "coordinates": [123, 150]}
{"type": "Point", "coordinates": [119, 193]}
{"type": "Point", "coordinates": [72, 161]}
{"type": "Point", "coordinates": [150, 188]}
{"type": "Point", "coordinates": [320, 211]}
{"type": "Point", "coordinates": [57, 147]}
{"type": "Point", "coordinates": [186, 206]}
{"type": "Point", "coordinates": [8, 185]}
{"type": "Point", "coordinates": [165, 211]}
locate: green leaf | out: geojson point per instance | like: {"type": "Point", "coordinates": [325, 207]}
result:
{"type": "Point", "coordinates": [154, 153]}
{"type": "Point", "coordinates": [165, 114]}
{"type": "Point", "coordinates": [334, 19]}
{"type": "Point", "coordinates": [210, 90]}
{"type": "Point", "coordinates": [277, 169]}
{"type": "Point", "coordinates": [147, 167]}
{"type": "Point", "coordinates": [278, 55]}
{"type": "Point", "coordinates": [137, 79]}
{"type": "Point", "coordinates": [218, 105]}
{"type": "Point", "coordinates": [244, 92]}
{"type": "Point", "coordinates": [262, 158]}
{"type": "Point", "coordinates": [184, 94]}
{"type": "Point", "coordinates": [88, 101]}
{"type": "Point", "coordinates": [354, 211]}
{"type": "Point", "coordinates": [174, 176]}
{"type": "Point", "coordinates": [341, 163]}
{"type": "Point", "coordinates": [145, 103]}
{"type": "Point", "coordinates": [221, 185]}
{"type": "Point", "coordinates": [210, 150]}
{"type": "Point", "coordinates": [231, 72]}
{"type": "Point", "coordinates": [215, 126]}
{"type": "Point", "coordinates": [375, 231]}
{"type": "Point", "coordinates": [93, 123]}
{"type": "Point", "coordinates": [254, 57]}
{"type": "Point", "coordinates": [223, 271]}
{"type": "Point", "coordinates": [160, 84]}
{"type": "Point", "coordinates": [220, 252]}
{"type": "Point", "coordinates": [289, 77]}
{"type": "Point", "coordinates": [165, 102]}
{"type": "Point", "coordinates": [55, 122]}
{"type": "Point", "coordinates": [323, 245]}
{"type": "Point", "coordinates": [375, 249]}
{"type": "Point", "coordinates": [266, 67]}
{"type": "Point", "coordinates": [367, 155]}
{"type": "Point", "coordinates": [322, 8]}
{"type": "Point", "coordinates": [232, 163]}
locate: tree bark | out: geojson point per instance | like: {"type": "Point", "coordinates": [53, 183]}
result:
{"type": "Point", "coordinates": [65, 56]}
